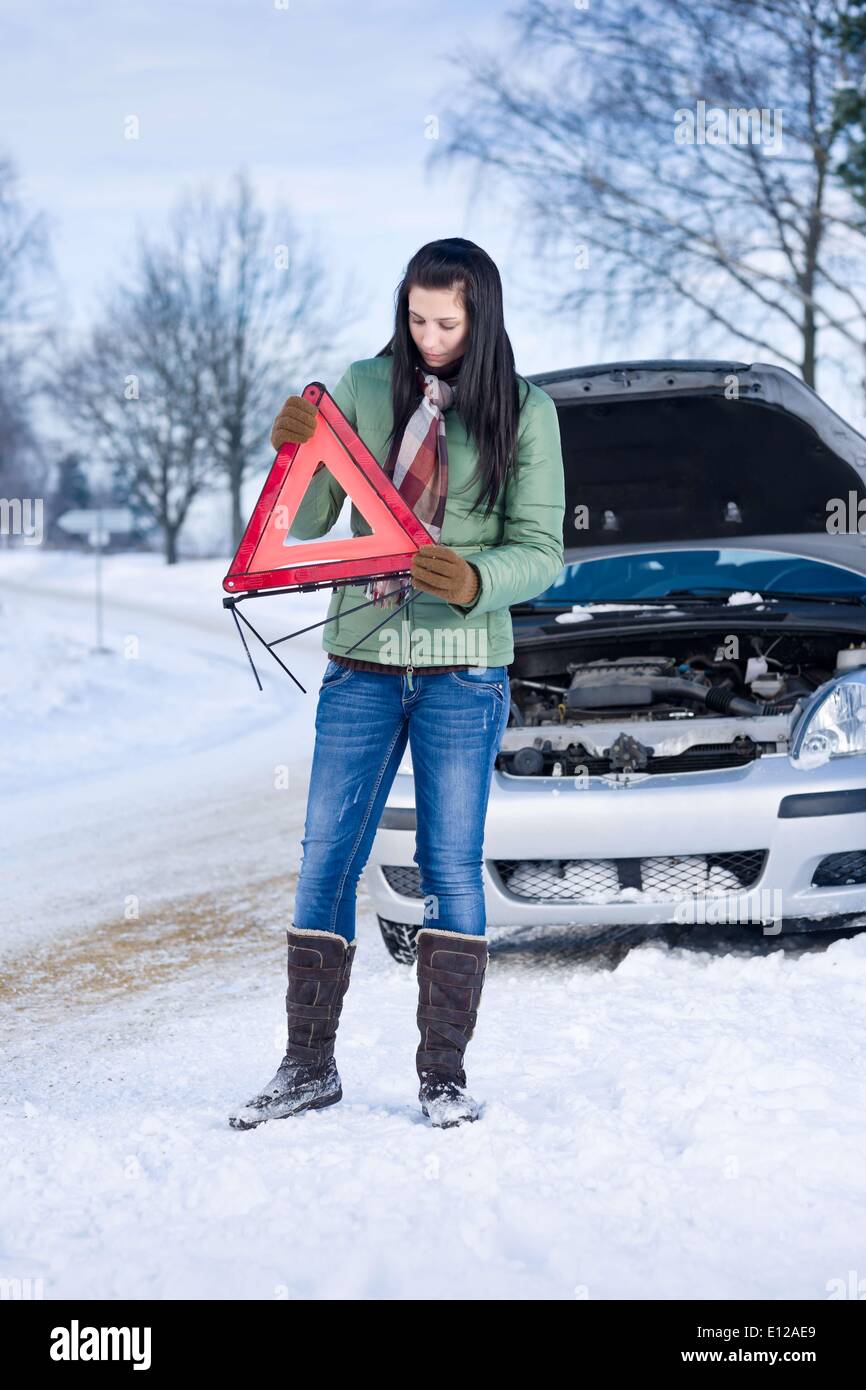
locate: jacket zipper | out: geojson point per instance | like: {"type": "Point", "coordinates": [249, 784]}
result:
{"type": "Point", "coordinates": [467, 545]}
{"type": "Point", "coordinates": [410, 668]}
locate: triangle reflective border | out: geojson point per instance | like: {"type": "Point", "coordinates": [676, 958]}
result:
{"type": "Point", "coordinates": [267, 558]}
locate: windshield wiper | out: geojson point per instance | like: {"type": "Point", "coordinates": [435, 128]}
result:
{"type": "Point", "coordinates": [699, 595]}
{"type": "Point", "coordinates": [542, 607]}
{"type": "Point", "coordinates": [551, 607]}
{"type": "Point", "coordinates": [774, 593]}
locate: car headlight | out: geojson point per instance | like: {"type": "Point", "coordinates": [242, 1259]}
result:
{"type": "Point", "coordinates": [833, 722]}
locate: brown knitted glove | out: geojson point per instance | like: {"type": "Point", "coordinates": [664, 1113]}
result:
{"type": "Point", "coordinates": [295, 423]}
{"type": "Point", "coordinates": [439, 570]}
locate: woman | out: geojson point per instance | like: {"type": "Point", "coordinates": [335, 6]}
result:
{"type": "Point", "coordinates": [475, 451]}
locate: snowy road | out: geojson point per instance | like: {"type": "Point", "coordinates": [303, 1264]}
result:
{"type": "Point", "coordinates": [153, 771]}
{"type": "Point", "coordinates": [660, 1121]}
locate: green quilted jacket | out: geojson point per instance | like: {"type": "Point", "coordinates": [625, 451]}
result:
{"type": "Point", "coordinates": [517, 550]}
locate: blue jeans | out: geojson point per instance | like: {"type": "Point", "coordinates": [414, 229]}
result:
{"type": "Point", "coordinates": [454, 722]}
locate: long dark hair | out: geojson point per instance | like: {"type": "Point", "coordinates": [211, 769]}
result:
{"type": "Point", "coordinates": [488, 400]}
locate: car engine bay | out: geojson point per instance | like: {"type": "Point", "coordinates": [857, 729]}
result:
{"type": "Point", "coordinates": [664, 703]}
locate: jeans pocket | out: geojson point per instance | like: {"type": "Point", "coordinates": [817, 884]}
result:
{"type": "Point", "coordinates": [335, 674]}
{"type": "Point", "coordinates": [483, 678]}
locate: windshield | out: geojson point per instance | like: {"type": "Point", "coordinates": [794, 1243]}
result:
{"type": "Point", "coordinates": [652, 576]}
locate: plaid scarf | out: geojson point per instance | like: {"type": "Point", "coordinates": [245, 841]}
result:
{"type": "Point", "coordinates": [420, 474]}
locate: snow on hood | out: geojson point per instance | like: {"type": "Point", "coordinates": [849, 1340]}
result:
{"type": "Point", "coordinates": [581, 612]}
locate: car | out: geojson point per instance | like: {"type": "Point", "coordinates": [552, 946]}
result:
{"type": "Point", "coordinates": [686, 739]}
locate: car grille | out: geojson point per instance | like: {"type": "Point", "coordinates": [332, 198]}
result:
{"type": "Point", "coordinates": [404, 879]}
{"type": "Point", "coordinates": [835, 870]}
{"type": "Point", "coordinates": [660, 877]}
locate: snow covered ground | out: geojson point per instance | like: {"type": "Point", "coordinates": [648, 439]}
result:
{"type": "Point", "coordinates": [660, 1121]}
{"type": "Point", "coordinates": [154, 769]}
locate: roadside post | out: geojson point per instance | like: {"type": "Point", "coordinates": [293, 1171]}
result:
{"type": "Point", "coordinates": [98, 524]}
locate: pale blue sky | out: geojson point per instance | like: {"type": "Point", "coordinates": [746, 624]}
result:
{"type": "Point", "coordinates": [324, 103]}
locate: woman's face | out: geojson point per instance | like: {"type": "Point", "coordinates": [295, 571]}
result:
{"type": "Point", "coordinates": [438, 324]}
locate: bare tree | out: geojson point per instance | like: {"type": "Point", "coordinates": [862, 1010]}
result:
{"type": "Point", "coordinates": [757, 239]}
{"type": "Point", "coordinates": [25, 266]}
{"type": "Point", "coordinates": [139, 389]}
{"type": "Point", "coordinates": [178, 386]}
{"type": "Point", "coordinates": [269, 311]}
{"type": "Point", "coordinates": [22, 473]}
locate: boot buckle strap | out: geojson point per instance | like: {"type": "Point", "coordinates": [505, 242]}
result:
{"type": "Point", "coordinates": [311, 1011]}
{"type": "Point", "coordinates": [436, 1059]}
{"type": "Point", "coordinates": [450, 1033]}
{"type": "Point", "coordinates": [434, 1013]}
{"type": "Point", "coordinates": [434, 975]}
{"type": "Point", "coordinates": [319, 972]}
{"type": "Point", "coordinates": [297, 1052]}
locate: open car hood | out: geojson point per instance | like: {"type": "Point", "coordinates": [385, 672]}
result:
{"type": "Point", "coordinates": [662, 454]}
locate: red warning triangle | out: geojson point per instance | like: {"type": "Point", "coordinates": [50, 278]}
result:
{"type": "Point", "coordinates": [267, 558]}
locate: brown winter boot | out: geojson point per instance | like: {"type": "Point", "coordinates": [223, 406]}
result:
{"type": "Point", "coordinates": [319, 967]}
{"type": "Point", "coordinates": [451, 969]}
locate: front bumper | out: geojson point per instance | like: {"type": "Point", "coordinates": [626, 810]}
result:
{"type": "Point", "coordinates": [686, 846]}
